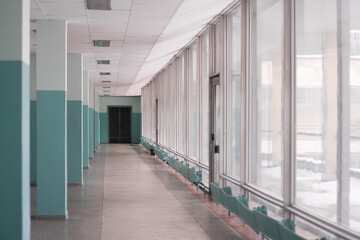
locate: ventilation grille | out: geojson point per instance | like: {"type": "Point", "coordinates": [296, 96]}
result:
{"type": "Point", "coordinates": [101, 43]}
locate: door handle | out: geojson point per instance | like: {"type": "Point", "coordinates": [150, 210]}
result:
{"type": "Point", "coordinates": [217, 149]}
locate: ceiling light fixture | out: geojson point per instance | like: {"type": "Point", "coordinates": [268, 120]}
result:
{"type": "Point", "coordinates": [98, 4]}
{"type": "Point", "coordinates": [103, 61]}
{"type": "Point", "coordinates": [101, 43]}
{"type": "Point", "coordinates": [104, 73]}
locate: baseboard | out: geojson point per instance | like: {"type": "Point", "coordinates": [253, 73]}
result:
{"type": "Point", "coordinates": [50, 217]}
{"type": "Point", "coordinates": [75, 184]}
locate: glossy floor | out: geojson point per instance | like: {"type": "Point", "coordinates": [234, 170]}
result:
{"type": "Point", "coordinates": [127, 194]}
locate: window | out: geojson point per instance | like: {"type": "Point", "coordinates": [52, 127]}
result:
{"type": "Point", "coordinates": [205, 118]}
{"type": "Point", "coordinates": [233, 63]}
{"type": "Point", "coordinates": [327, 109]}
{"type": "Point", "coordinates": [182, 106]}
{"type": "Point", "coordinates": [316, 106]}
{"type": "Point", "coordinates": [172, 106]}
{"type": "Point", "coordinates": [193, 102]}
{"type": "Point", "coordinates": [267, 108]}
{"type": "Point", "coordinates": [217, 48]}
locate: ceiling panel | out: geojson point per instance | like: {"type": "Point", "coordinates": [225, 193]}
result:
{"type": "Point", "coordinates": [108, 35]}
{"type": "Point", "coordinates": [120, 4]}
{"type": "Point", "coordinates": [162, 2]}
{"type": "Point", "coordinates": [63, 8]}
{"type": "Point", "coordinates": [153, 10]}
{"type": "Point", "coordinates": [133, 26]}
{"type": "Point", "coordinates": [99, 16]}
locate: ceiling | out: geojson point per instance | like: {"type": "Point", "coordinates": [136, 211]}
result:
{"type": "Point", "coordinates": [144, 35]}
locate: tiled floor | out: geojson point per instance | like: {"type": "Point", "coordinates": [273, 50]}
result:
{"type": "Point", "coordinates": [128, 194]}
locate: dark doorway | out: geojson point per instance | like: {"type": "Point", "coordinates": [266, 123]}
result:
{"type": "Point", "coordinates": [119, 124]}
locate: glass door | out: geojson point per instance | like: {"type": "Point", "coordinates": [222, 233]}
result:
{"type": "Point", "coordinates": [214, 129]}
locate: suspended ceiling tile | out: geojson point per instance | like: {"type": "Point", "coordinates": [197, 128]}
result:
{"type": "Point", "coordinates": [116, 43]}
{"type": "Point", "coordinates": [108, 68]}
{"type": "Point", "coordinates": [120, 4]}
{"type": "Point", "coordinates": [69, 18]}
{"type": "Point", "coordinates": [102, 27]}
{"type": "Point", "coordinates": [174, 2]}
{"type": "Point", "coordinates": [118, 16]}
{"type": "Point", "coordinates": [153, 10]}
{"type": "Point", "coordinates": [107, 36]}
{"type": "Point", "coordinates": [144, 32]}
{"type": "Point", "coordinates": [144, 40]}
{"type": "Point", "coordinates": [108, 50]}
{"type": "Point", "coordinates": [147, 22]}
{"type": "Point", "coordinates": [63, 8]}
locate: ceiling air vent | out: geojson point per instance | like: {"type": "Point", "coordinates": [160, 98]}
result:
{"type": "Point", "coordinates": [104, 73]}
{"type": "Point", "coordinates": [101, 43]}
{"type": "Point", "coordinates": [103, 61]}
{"type": "Point", "coordinates": [98, 4]}
{"type": "Point", "coordinates": [106, 81]}
{"type": "Point", "coordinates": [106, 87]}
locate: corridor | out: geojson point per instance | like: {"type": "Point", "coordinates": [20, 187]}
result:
{"type": "Point", "coordinates": [127, 194]}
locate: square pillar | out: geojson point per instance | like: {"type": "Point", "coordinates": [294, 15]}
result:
{"type": "Point", "coordinates": [33, 118]}
{"type": "Point", "coordinates": [86, 119]}
{"type": "Point", "coordinates": [91, 119]}
{"type": "Point", "coordinates": [75, 118]}
{"type": "Point", "coordinates": [51, 80]}
{"type": "Point", "coordinates": [15, 120]}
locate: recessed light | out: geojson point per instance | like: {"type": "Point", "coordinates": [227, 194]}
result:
{"type": "Point", "coordinates": [101, 43]}
{"type": "Point", "coordinates": [98, 4]}
{"type": "Point", "coordinates": [103, 61]}
{"type": "Point", "coordinates": [104, 73]}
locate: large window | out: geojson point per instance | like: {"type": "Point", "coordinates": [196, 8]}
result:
{"type": "Point", "coordinates": [193, 103]}
{"type": "Point", "coordinates": [172, 108]}
{"type": "Point", "coordinates": [233, 63]}
{"type": "Point", "coordinates": [294, 125]}
{"type": "Point", "coordinates": [205, 118]}
{"type": "Point", "coordinates": [216, 67]}
{"type": "Point", "coordinates": [182, 106]}
{"type": "Point", "coordinates": [267, 108]}
{"type": "Point", "coordinates": [327, 109]}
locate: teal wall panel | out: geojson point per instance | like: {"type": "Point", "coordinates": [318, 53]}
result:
{"type": "Point", "coordinates": [51, 153]}
{"type": "Point", "coordinates": [85, 136]}
{"type": "Point", "coordinates": [95, 129]}
{"type": "Point", "coordinates": [104, 128]}
{"type": "Point", "coordinates": [33, 141]}
{"type": "Point", "coordinates": [15, 151]}
{"type": "Point", "coordinates": [135, 127]}
{"type": "Point", "coordinates": [98, 128]}
{"type": "Point", "coordinates": [74, 142]}
{"type": "Point", "coordinates": [91, 133]}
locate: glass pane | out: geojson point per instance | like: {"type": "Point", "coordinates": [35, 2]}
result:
{"type": "Point", "coordinates": [233, 30]}
{"type": "Point", "coordinates": [353, 174]}
{"type": "Point", "coordinates": [267, 95]}
{"type": "Point", "coordinates": [316, 106]}
{"type": "Point", "coordinates": [217, 48]}
{"type": "Point", "coordinates": [181, 104]}
{"type": "Point", "coordinates": [217, 133]}
{"type": "Point", "coordinates": [172, 108]}
{"type": "Point", "coordinates": [205, 127]}
{"type": "Point", "coordinates": [193, 108]}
